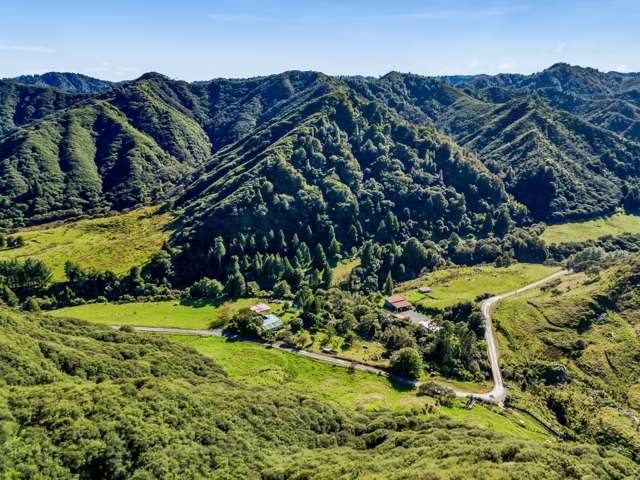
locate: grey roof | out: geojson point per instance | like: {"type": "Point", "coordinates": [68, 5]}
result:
{"type": "Point", "coordinates": [271, 322]}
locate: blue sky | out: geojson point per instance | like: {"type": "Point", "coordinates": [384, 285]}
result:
{"type": "Point", "coordinates": [198, 40]}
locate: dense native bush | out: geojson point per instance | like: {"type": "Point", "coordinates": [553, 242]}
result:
{"type": "Point", "coordinates": [81, 400]}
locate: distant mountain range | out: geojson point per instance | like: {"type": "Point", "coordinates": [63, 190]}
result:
{"type": "Point", "coordinates": [564, 143]}
{"type": "Point", "coordinates": [69, 82]}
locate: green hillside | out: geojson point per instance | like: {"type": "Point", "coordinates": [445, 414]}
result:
{"type": "Point", "coordinates": [114, 243]}
{"type": "Point", "coordinates": [569, 353]}
{"type": "Point", "coordinates": [85, 401]}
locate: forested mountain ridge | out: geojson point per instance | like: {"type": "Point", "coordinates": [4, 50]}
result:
{"type": "Point", "coordinates": [568, 130]}
{"type": "Point", "coordinates": [584, 159]}
{"type": "Point", "coordinates": [171, 127]}
{"type": "Point", "coordinates": [66, 81]}
{"type": "Point", "coordinates": [21, 104]}
{"type": "Point", "coordinates": [339, 170]}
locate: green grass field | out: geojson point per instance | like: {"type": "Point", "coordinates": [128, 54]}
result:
{"type": "Point", "coordinates": [161, 314]}
{"type": "Point", "coordinates": [114, 243]}
{"type": "Point", "coordinates": [592, 229]}
{"type": "Point", "coordinates": [454, 285]}
{"type": "Point", "coordinates": [258, 365]}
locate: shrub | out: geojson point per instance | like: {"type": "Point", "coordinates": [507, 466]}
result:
{"type": "Point", "coordinates": [407, 362]}
{"type": "Point", "coordinates": [206, 288]}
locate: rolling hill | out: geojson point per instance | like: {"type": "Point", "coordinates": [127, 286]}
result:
{"type": "Point", "coordinates": [84, 401]}
{"type": "Point", "coordinates": [570, 352]}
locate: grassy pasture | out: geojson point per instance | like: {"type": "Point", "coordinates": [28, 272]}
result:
{"type": "Point", "coordinates": [258, 365]}
{"type": "Point", "coordinates": [592, 229]}
{"type": "Point", "coordinates": [454, 285]}
{"type": "Point", "coordinates": [172, 314]}
{"type": "Point", "coordinates": [114, 243]}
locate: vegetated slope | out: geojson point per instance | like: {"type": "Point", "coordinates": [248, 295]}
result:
{"type": "Point", "coordinates": [232, 109]}
{"type": "Point", "coordinates": [66, 81]}
{"type": "Point", "coordinates": [570, 354]}
{"type": "Point", "coordinates": [567, 131]}
{"type": "Point", "coordinates": [556, 164]}
{"type": "Point", "coordinates": [335, 168]}
{"type": "Point", "coordinates": [87, 158]}
{"type": "Point", "coordinates": [139, 141]}
{"type": "Point", "coordinates": [614, 226]}
{"type": "Point", "coordinates": [78, 400]}
{"type": "Point", "coordinates": [609, 100]}
{"type": "Point", "coordinates": [21, 104]}
{"type": "Point", "coordinates": [576, 162]}
{"type": "Point", "coordinates": [115, 243]}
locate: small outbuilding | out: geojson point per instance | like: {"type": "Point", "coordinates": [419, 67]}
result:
{"type": "Point", "coordinates": [260, 308]}
{"type": "Point", "coordinates": [425, 290]}
{"type": "Point", "coordinates": [271, 322]}
{"type": "Point", "coordinates": [397, 303]}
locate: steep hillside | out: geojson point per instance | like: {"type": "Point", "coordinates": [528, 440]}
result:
{"type": "Point", "coordinates": [560, 130]}
{"type": "Point", "coordinates": [66, 81]}
{"type": "Point", "coordinates": [81, 401]}
{"type": "Point", "coordinates": [570, 354]}
{"type": "Point", "coordinates": [138, 141]}
{"type": "Point", "coordinates": [570, 131]}
{"type": "Point", "coordinates": [232, 109]}
{"type": "Point", "coordinates": [21, 104]}
{"type": "Point", "coordinates": [88, 158]}
{"type": "Point", "coordinates": [553, 162]}
{"type": "Point", "coordinates": [337, 168]}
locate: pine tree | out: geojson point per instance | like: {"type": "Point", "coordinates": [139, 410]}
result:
{"type": "Point", "coordinates": [334, 251]}
{"type": "Point", "coordinates": [280, 242]}
{"type": "Point", "coordinates": [315, 278]}
{"type": "Point", "coordinates": [236, 285]}
{"type": "Point", "coordinates": [10, 298]}
{"type": "Point", "coordinates": [319, 257]}
{"type": "Point", "coordinates": [327, 277]}
{"type": "Point", "coordinates": [218, 253]}
{"type": "Point", "coordinates": [303, 255]}
{"type": "Point", "coordinates": [388, 285]}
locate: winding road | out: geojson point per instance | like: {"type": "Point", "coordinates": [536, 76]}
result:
{"type": "Point", "coordinates": [496, 395]}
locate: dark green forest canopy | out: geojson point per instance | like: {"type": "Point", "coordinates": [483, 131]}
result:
{"type": "Point", "coordinates": [83, 401]}
{"type": "Point", "coordinates": [570, 132]}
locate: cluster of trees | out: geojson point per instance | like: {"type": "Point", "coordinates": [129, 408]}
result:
{"type": "Point", "coordinates": [28, 276]}
{"type": "Point", "coordinates": [250, 264]}
{"type": "Point", "coordinates": [15, 241]}
{"type": "Point", "coordinates": [627, 242]}
{"type": "Point", "coordinates": [593, 259]}
{"type": "Point", "coordinates": [456, 349]}
{"type": "Point", "coordinates": [29, 283]}
{"type": "Point", "coordinates": [384, 264]}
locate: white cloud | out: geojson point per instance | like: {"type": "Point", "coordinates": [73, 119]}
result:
{"type": "Point", "coordinates": [622, 68]}
{"type": "Point", "coordinates": [504, 66]}
{"type": "Point", "coordinates": [27, 48]}
{"type": "Point", "coordinates": [474, 63]}
{"type": "Point", "coordinates": [560, 47]}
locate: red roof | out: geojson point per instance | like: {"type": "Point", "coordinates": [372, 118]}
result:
{"type": "Point", "coordinates": [396, 298]}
